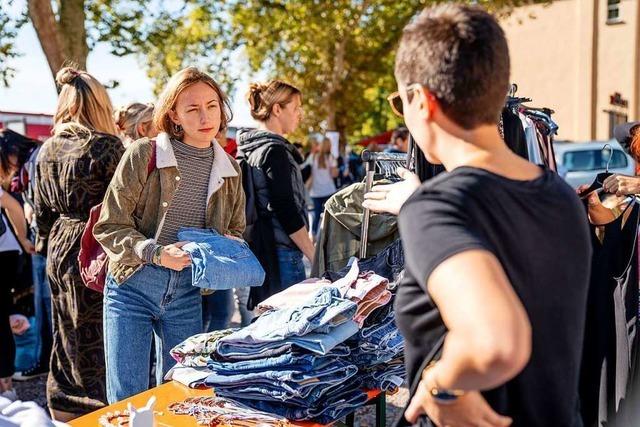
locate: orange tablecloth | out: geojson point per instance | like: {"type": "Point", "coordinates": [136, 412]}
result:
{"type": "Point", "coordinates": [166, 394]}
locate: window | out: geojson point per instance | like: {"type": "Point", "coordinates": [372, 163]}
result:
{"type": "Point", "coordinates": [613, 11]}
{"type": "Point", "coordinates": [591, 160]}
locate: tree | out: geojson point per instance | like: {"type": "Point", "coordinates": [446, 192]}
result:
{"type": "Point", "coordinates": [339, 54]}
{"type": "Point", "coordinates": [165, 36]}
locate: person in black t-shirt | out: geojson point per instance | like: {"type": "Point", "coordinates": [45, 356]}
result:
{"type": "Point", "coordinates": [497, 249]}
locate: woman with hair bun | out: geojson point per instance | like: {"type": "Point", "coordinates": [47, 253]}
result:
{"type": "Point", "coordinates": [73, 170]}
{"type": "Point", "coordinates": [280, 192]}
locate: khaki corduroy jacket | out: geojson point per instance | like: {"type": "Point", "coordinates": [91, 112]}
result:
{"type": "Point", "coordinates": [136, 202]}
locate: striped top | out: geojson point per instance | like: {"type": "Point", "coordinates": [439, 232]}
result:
{"type": "Point", "coordinates": [189, 205]}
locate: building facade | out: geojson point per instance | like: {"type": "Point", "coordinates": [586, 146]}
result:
{"type": "Point", "coordinates": [580, 58]}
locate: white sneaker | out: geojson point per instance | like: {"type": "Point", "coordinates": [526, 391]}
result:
{"type": "Point", "coordinates": [10, 394]}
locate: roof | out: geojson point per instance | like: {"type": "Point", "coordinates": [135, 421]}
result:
{"type": "Point", "coordinates": [381, 138]}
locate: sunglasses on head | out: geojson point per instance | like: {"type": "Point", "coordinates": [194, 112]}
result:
{"type": "Point", "coordinates": [395, 101]}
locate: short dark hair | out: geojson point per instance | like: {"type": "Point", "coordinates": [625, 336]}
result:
{"type": "Point", "coordinates": [460, 54]}
{"type": "Point", "coordinates": [14, 144]}
{"type": "Point", "coordinates": [401, 132]}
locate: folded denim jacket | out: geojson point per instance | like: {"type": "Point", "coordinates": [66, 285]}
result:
{"type": "Point", "coordinates": [218, 262]}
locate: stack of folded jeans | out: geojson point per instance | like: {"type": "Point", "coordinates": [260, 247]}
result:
{"type": "Point", "coordinates": [378, 353]}
{"type": "Point", "coordinates": [313, 352]}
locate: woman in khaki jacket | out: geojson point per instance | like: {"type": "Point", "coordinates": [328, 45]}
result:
{"type": "Point", "coordinates": [194, 184]}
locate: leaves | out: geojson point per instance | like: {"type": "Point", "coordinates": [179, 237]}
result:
{"type": "Point", "coordinates": [12, 17]}
{"type": "Point", "coordinates": [166, 36]}
{"type": "Point", "coordinates": [339, 53]}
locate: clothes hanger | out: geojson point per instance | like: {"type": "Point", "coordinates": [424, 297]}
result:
{"type": "Point", "coordinates": [596, 185]}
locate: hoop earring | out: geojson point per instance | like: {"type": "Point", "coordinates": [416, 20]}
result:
{"type": "Point", "coordinates": [177, 128]}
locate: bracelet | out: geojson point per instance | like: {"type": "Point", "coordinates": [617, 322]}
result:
{"type": "Point", "coordinates": [157, 256]}
{"type": "Point", "coordinates": [439, 394]}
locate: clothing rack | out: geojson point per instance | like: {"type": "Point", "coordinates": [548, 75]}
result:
{"type": "Point", "coordinates": [371, 160]}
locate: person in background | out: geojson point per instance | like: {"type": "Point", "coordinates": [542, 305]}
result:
{"type": "Point", "coordinates": [275, 167]}
{"type": "Point", "coordinates": [628, 135]}
{"type": "Point", "coordinates": [134, 121]}
{"type": "Point", "coordinates": [15, 149]}
{"type": "Point", "coordinates": [218, 307]}
{"type": "Point", "coordinates": [494, 299]}
{"type": "Point", "coordinates": [148, 290]}
{"type": "Point", "coordinates": [324, 168]}
{"type": "Point", "coordinates": [399, 142]}
{"type": "Point", "coordinates": [26, 179]}
{"type": "Point", "coordinates": [73, 170]}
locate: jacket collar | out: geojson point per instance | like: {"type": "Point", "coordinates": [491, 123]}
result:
{"type": "Point", "coordinates": [166, 158]}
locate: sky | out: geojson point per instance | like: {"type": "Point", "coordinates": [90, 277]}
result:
{"type": "Point", "coordinates": [32, 90]}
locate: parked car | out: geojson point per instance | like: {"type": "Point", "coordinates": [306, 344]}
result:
{"type": "Point", "coordinates": [580, 162]}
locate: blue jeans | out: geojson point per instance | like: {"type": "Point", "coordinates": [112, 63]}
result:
{"type": "Point", "coordinates": [318, 208]}
{"type": "Point", "coordinates": [321, 323]}
{"type": "Point", "coordinates": [335, 406]}
{"type": "Point", "coordinates": [302, 362]}
{"type": "Point", "coordinates": [305, 388]}
{"type": "Point", "coordinates": [291, 266]}
{"type": "Point", "coordinates": [154, 301]}
{"type": "Point", "coordinates": [242, 297]}
{"type": "Point", "coordinates": [218, 262]}
{"type": "Point", "coordinates": [217, 310]}
{"type": "Point", "coordinates": [42, 305]}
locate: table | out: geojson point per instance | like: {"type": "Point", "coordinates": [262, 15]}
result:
{"type": "Point", "coordinates": [172, 392]}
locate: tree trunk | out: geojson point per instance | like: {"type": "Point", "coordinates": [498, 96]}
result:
{"type": "Point", "coordinates": [335, 84]}
{"type": "Point", "coordinates": [74, 33]}
{"type": "Point", "coordinates": [46, 27]}
{"type": "Point", "coordinates": [64, 41]}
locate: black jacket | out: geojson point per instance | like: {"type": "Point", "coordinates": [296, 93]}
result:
{"type": "Point", "coordinates": [276, 201]}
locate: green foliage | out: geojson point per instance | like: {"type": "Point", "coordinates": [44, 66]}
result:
{"type": "Point", "coordinates": [339, 53]}
{"type": "Point", "coordinates": [12, 18]}
{"type": "Point", "coordinates": [166, 36]}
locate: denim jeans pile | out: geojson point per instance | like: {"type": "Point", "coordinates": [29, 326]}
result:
{"type": "Point", "coordinates": [312, 357]}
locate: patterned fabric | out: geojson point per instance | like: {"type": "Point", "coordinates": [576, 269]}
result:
{"type": "Point", "coordinates": [72, 176]}
{"type": "Point", "coordinates": [195, 351]}
{"type": "Point", "coordinates": [189, 205]}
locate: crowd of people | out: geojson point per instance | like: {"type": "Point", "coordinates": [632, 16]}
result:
{"type": "Point", "coordinates": [493, 301]}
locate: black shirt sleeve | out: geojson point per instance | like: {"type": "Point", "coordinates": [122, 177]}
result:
{"type": "Point", "coordinates": [434, 228]}
{"type": "Point", "coordinates": [278, 173]}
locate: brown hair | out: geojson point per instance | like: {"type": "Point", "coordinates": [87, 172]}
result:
{"type": "Point", "coordinates": [263, 97]}
{"type": "Point", "coordinates": [83, 104]}
{"type": "Point", "coordinates": [323, 153]}
{"type": "Point", "coordinates": [634, 145]}
{"type": "Point", "coordinates": [460, 54]}
{"type": "Point", "coordinates": [130, 116]}
{"type": "Point", "coordinates": [167, 100]}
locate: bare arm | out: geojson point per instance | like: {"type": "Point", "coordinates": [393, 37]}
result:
{"type": "Point", "coordinates": [489, 339]}
{"type": "Point", "coordinates": [16, 217]}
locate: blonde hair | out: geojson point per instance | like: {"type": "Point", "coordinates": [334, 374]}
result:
{"type": "Point", "coordinates": [167, 100]}
{"type": "Point", "coordinates": [263, 97]}
{"type": "Point", "coordinates": [83, 105]}
{"type": "Point", "coordinates": [323, 153]}
{"type": "Point", "coordinates": [130, 116]}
